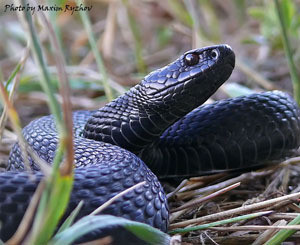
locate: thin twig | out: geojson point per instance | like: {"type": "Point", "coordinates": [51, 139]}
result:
{"type": "Point", "coordinates": [65, 91]}
{"type": "Point", "coordinates": [182, 184]}
{"type": "Point", "coordinates": [236, 211]}
{"type": "Point", "coordinates": [255, 228]}
{"type": "Point", "coordinates": [266, 235]}
{"type": "Point", "coordinates": [14, 87]}
{"type": "Point", "coordinates": [284, 215]}
{"type": "Point", "coordinates": [16, 124]}
{"type": "Point", "coordinates": [110, 201]}
{"type": "Point", "coordinates": [216, 187]}
{"type": "Point", "coordinates": [220, 222]}
{"type": "Point", "coordinates": [197, 201]}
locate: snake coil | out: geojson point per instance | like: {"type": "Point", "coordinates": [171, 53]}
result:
{"type": "Point", "coordinates": [158, 122]}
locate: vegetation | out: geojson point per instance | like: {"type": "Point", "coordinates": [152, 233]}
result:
{"type": "Point", "coordinates": [85, 58]}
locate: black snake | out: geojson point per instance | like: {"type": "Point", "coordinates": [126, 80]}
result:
{"type": "Point", "coordinates": [157, 122]}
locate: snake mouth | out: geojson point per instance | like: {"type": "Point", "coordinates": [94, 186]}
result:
{"type": "Point", "coordinates": [230, 58]}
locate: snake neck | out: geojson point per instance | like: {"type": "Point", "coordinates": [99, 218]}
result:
{"type": "Point", "coordinates": [131, 121]}
{"type": "Point", "coordinates": [135, 119]}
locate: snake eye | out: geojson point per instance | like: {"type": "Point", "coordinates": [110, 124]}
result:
{"type": "Point", "coordinates": [191, 59]}
{"type": "Point", "coordinates": [214, 54]}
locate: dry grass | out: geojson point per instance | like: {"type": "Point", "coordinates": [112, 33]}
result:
{"type": "Point", "coordinates": [262, 190]}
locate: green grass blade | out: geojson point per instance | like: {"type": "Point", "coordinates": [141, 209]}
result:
{"type": "Point", "coordinates": [69, 221]}
{"type": "Point", "coordinates": [88, 27]}
{"type": "Point", "coordinates": [222, 222]}
{"type": "Point", "coordinates": [13, 74]}
{"type": "Point", "coordinates": [53, 16]}
{"type": "Point", "coordinates": [55, 198]}
{"type": "Point", "coordinates": [283, 19]}
{"type": "Point", "coordinates": [138, 47]}
{"type": "Point", "coordinates": [90, 223]}
{"type": "Point", "coordinates": [282, 235]}
{"type": "Point", "coordinates": [45, 76]}
{"type": "Point", "coordinates": [57, 203]}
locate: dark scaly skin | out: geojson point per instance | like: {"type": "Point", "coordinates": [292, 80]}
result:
{"type": "Point", "coordinates": [230, 134]}
{"type": "Point", "coordinates": [103, 171]}
{"type": "Point", "coordinates": [133, 121]}
{"type": "Point", "coordinates": [189, 86]}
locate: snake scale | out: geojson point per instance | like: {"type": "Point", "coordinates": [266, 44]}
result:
{"type": "Point", "coordinates": [160, 122]}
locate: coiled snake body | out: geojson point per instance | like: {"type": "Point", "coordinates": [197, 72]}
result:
{"type": "Point", "coordinates": [156, 121]}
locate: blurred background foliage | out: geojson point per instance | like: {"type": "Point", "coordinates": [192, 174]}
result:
{"type": "Point", "coordinates": [129, 38]}
{"type": "Point", "coordinates": [138, 36]}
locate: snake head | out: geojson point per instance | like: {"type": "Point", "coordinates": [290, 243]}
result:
{"type": "Point", "coordinates": [138, 117]}
{"type": "Point", "coordinates": [190, 80]}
